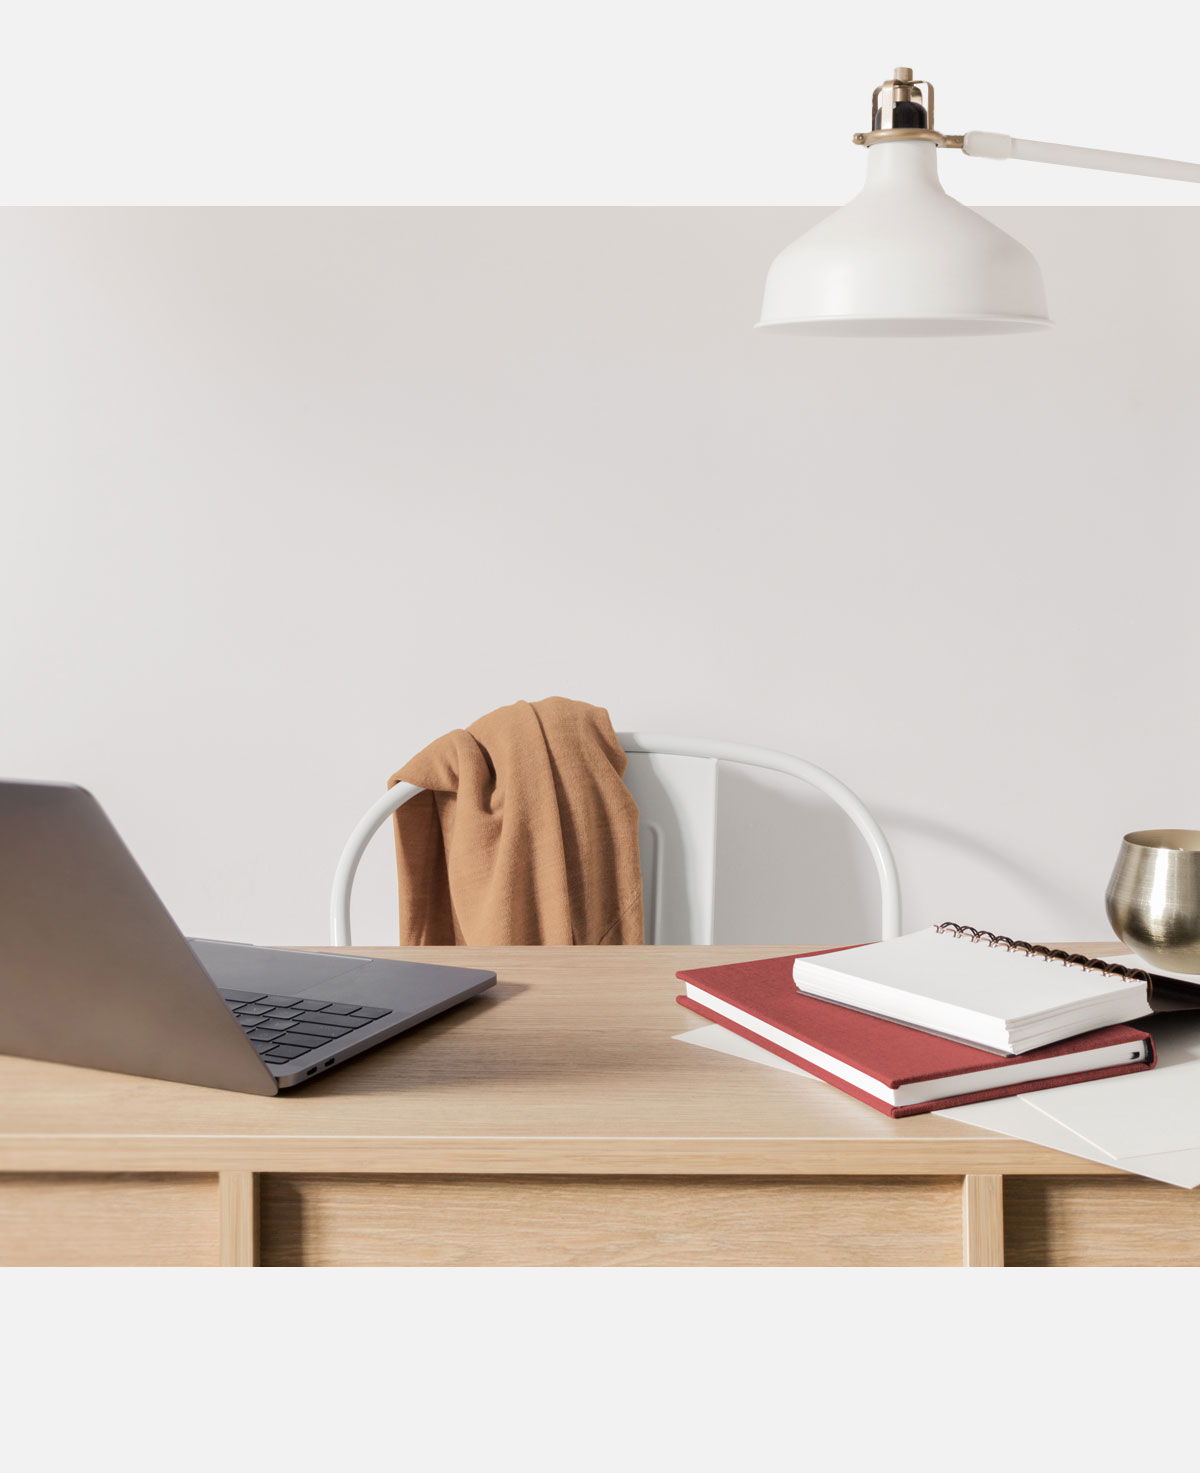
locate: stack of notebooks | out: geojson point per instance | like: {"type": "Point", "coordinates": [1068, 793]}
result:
{"type": "Point", "coordinates": [939, 1018]}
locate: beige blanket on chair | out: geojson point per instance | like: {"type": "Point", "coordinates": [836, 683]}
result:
{"type": "Point", "coordinates": [526, 837]}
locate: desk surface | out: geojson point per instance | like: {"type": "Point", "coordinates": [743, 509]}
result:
{"type": "Point", "coordinates": [568, 1065]}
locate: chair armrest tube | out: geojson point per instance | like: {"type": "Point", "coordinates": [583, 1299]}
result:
{"type": "Point", "coordinates": [356, 845]}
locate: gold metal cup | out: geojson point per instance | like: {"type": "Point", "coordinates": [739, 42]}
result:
{"type": "Point", "coordinates": [1153, 898]}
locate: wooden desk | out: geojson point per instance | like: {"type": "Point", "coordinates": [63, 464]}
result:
{"type": "Point", "coordinates": [552, 1122]}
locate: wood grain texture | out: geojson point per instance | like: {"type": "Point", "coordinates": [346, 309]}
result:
{"type": "Point", "coordinates": [556, 1122]}
{"type": "Point", "coordinates": [237, 1193]}
{"type": "Point", "coordinates": [983, 1221]}
{"type": "Point", "coordinates": [107, 1221]}
{"type": "Point", "coordinates": [614, 1221]}
{"type": "Point", "coordinates": [1113, 1222]}
{"type": "Point", "coordinates": [568, 1065]}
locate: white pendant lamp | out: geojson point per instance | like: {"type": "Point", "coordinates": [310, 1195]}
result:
{"type": "Point", "coordinates": [903, 259]}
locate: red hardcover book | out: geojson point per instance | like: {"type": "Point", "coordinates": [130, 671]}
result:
{"type": "Point", "coordinates": [894, 1068]}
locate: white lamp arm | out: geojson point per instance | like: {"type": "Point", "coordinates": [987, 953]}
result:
{"type": "Point", "coordinates": [1001, 146]}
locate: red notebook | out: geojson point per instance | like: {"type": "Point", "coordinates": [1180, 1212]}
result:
{"type": "Point", "coordinates": [889, 1066]}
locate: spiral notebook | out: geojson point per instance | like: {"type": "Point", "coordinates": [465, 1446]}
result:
{"type": "Point", "coordinates": [978, 987]}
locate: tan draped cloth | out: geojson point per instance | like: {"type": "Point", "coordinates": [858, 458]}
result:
{"type": "Point", "coordinates": [527, 835]}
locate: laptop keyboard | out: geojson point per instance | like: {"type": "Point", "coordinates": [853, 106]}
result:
{"type": "Point", "coordinates": [284, 1028]}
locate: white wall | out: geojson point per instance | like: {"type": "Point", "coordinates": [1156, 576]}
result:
{"type": "Point", "coordinates": [288, 493]}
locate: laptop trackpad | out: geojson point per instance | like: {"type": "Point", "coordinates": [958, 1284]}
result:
{"type": "Point", "coordinates": [250, 967]}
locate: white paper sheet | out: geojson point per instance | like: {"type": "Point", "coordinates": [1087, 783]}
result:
{"type": "Point", "coordinates": [1015, 1116]}
{"type": "Point", "coordinates": [1018, 1117]}
{"type": "Point", "coordinates": [1138, 1114]}
{"type": "Point", "coordinates": [722, 1041]}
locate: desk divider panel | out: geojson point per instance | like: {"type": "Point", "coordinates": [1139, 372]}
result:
{"type": "Point", "coordinates": [322, 1220]}
{"type": "Point", "coordinates": [1099, 1221]}
{"type": "Point", "coordinates": [60, 1220]}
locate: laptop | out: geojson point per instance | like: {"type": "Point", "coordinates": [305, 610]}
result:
{"type": "Point", "coordinates": [94, 971]}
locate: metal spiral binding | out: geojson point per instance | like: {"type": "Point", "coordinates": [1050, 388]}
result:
{"type": "Point", "coordinates": [1047, 954]}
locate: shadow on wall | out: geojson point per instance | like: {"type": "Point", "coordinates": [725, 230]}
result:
{"type": "Point", "coordinates": [792, 868]}
{"type": "Point", "coordinates": [1044, 885]}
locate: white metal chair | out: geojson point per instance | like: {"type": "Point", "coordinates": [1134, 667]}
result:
{"type": "Point", "coordinates": [674, 783]}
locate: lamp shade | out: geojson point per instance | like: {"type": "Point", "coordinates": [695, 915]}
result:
{"type": "Point", "coordinates": [903, 259]}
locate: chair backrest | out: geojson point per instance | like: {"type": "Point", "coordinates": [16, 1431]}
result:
{"type": "Point", "coordinates": [677, 836]}
{"type": "Point", "coordinates": [674, 783]}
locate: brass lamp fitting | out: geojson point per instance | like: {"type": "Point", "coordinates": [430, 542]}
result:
{"type": "Point", "coordinates": [901, 109]}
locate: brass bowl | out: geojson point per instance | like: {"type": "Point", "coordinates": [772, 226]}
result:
{"type": "Point", "coordinates": [1153, 898]}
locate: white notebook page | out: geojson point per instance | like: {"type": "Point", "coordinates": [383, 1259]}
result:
{"type": "Point", "coordinates": [950, 970]}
